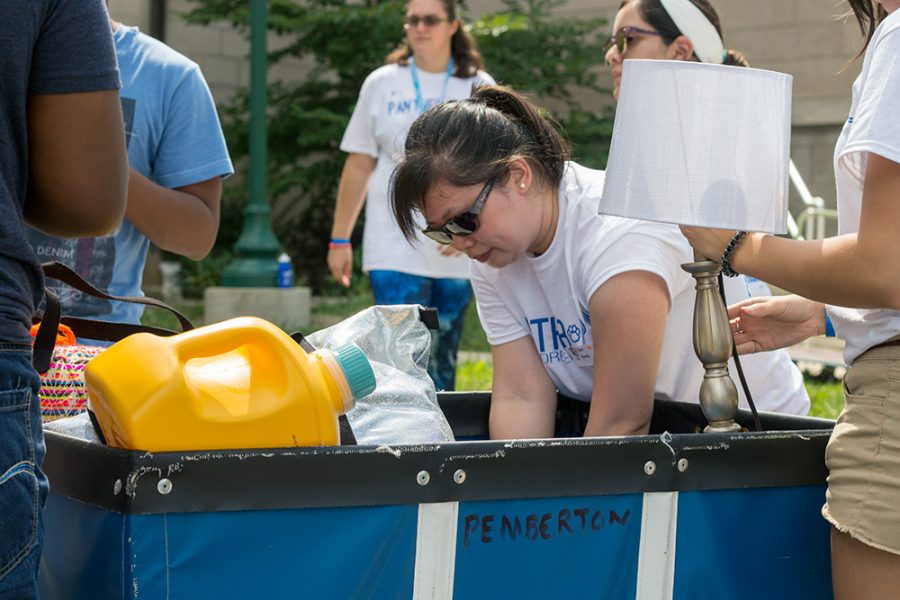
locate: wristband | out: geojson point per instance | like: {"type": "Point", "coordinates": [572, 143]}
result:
{"type": "Point", "coordinates": [727, 271]}
{"type": "Point", "coordinates": [339, 243]}
{"type": "Point", "coordinates": [829, 326]}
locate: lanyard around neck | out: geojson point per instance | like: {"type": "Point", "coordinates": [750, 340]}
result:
{"type": "Point", "coordinates": [420, 101]}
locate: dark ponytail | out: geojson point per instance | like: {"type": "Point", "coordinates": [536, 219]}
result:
{"type": "Point", "coordinates": [549, 151]}
{"type": "Point", "coordinates": [471, 141]}
{"type": "Point", "coordinates": [655, 14]}
{"type": "Point", "coordinates": [466, 58]}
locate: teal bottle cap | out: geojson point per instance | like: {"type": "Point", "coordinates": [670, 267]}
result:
{"type": "Point", "coordinates": [357, 369]}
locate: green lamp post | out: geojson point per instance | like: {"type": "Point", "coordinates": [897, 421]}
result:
{"type": "Point", "coordinates": [256, 251]}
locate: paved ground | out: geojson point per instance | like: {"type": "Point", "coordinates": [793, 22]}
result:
{"type": "Point", "coordinates": [827, 351]}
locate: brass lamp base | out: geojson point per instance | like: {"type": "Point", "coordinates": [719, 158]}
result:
{"type": "Point", "coordinates": [712, 344]}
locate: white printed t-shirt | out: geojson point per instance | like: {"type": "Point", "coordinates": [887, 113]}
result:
{"type": "Point", "coordinates": [383, 115]}
{"type": "Point", "coordinates": [546, 297]}
{"type": "Point", "coordinates": [873, 126]}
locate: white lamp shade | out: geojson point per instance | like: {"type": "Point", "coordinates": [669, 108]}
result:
{"type": "Point", "coordinates": [700, 144]}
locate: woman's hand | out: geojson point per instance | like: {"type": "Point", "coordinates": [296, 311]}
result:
{"type": "Point", "coordinates": [772, 322]}
{"type": "Point", "coordinates": [709, 243]}
{"type": "Point", "coordinates": [340, 263]}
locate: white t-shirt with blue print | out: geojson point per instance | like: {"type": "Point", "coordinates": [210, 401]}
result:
{"type": "Point", "coordinates": [383, 115]}
{"type": "Point", "coordinates": [873, 126]}
{"type": "Point", "coordinates": [173, 138]}
{"type": "Point", "coordinates": [546, 298]}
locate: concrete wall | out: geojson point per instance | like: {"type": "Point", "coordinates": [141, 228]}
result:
{"type": "Point", "coordinates": [800, 37]}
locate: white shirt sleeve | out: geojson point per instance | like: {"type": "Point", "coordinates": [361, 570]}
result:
{"type": "Point", "coordinates": [359, 137]}
{"type": "Point", "coordinates": [499, 324]}
{"type": "Point", "coordinates": [651, 247]}
{"type": "Point", "coordinates": [482, 78]}
{"type": "Point", "coordinates": [876, 126]}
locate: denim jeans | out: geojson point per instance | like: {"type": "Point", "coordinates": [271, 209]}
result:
{"type": "Point", "coordinates": [451, 299]}
{"type": "Point", "coordinates": [23, 486]}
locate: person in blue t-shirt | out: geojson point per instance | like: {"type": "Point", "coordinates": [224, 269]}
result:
{"type": "Point", "coordinates": [63, 170]}
{"type": "Point", "coordinates": [178, 159]}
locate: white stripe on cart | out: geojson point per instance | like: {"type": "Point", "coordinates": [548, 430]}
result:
{"type": "Point", "coordinates": [436, 551]}
{"type": "Point", "coordinates": [656, 561]}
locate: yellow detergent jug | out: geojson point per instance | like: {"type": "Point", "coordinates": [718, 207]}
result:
{"type": "Point", "coordinates": [241, 383]}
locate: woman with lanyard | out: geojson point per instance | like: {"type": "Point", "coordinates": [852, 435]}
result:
{"type": "Point", "coordinates": [592, 307]}
{"type": "Point", "coordinates": [436, 62]}
{"type": "Point", "coordinates": [857, 274]}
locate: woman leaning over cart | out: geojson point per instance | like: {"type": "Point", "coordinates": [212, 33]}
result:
{"type": "Point", "coordinates": [857, 275]}
{"type": "Point", "coordinates": [436, 62]}
{"type": "Point", "coordinates": [593, 306]}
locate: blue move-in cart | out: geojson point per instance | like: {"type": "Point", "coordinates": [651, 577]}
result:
{"type": "Point", "coordinates": [676, 514]}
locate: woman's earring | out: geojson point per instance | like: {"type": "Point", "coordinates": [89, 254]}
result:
{"type": "Point", "coordinates": [522, 185]}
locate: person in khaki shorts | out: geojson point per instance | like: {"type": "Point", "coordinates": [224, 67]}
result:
{"type": "Point", "coordinates": [857, 274]}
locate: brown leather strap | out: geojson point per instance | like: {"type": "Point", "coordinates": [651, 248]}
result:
{"type": "Point", "coordinates": [61, 272]}
{"type": "Point", "coordinates": [45, 339]}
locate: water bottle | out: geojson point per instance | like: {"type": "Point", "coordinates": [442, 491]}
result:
{"type": "Point", "coordinates": [285, 271]}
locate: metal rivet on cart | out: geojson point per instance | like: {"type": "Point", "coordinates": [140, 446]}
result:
{"type": "Point", "coordinates": [459, 476]}
{"type": "Point", "coordinates": [649, 467]}
{"type": "Point", "coordinates": [117, 487]}
{"type": "Point", "coordinates": [423, 478]}
{"type": "Point", "coordinates": [682, 464]}
{"type": "Point", "coordinates": [164, 486]}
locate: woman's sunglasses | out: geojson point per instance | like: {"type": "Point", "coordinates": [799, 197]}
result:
{"type": "Point", "coordinates": [412, 21]}
{"type": "Point", "coordinates": [625, 36]}
{"type": "Point", "coordinates": [461, 225]}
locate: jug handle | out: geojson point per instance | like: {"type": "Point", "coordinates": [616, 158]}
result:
{"type": "Point", "coordinates": [224, 339]}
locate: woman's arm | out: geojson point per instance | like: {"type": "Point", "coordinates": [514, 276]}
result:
{"type": "Point", "coordinates": [351, 195]}
{"type": "Point", "coordinates": [857, 270]}
{"type": "Point", "coordinates": [628, 322]}
{"type": "Point", "coordinates": [184, 220]}
{"type": "Point", "coordinates": [523, 397]}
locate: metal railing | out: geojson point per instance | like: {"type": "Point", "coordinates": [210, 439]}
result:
{"type": "Point", "coordinates": [812, 222]}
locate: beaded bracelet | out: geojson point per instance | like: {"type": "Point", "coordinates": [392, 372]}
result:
{"type": "Point", "coordinates": [727, 271]}
{"type": "Point", "coordinates": [338, 243]}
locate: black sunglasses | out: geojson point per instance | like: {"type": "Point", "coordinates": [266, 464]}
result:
{"type": "Point", "coordinates": [461, 225]}
{"type": "Point", "coordinates": [625, 36]}
{"type": "Point", "coordinates": [412, 21]}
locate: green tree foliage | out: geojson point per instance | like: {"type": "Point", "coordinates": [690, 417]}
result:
{"type": "Point", "coordinates": [524, 46]}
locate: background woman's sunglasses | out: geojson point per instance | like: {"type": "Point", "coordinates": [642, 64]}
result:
{"type": "Point", "coordinates": [625, 36]}
{"type": "Point", "coordinates": [461, 225]}
{"type": "Point", "coordinates": [413, 21]}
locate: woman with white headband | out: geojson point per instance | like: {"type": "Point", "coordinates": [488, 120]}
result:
{"type": "Point", "coordinates": [690, 30]}
{"type": "Point", "coordinates": [667, 30]}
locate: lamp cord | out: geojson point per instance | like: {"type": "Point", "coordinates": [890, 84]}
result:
{"type": "Point", "coordinates": [737, 363]}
